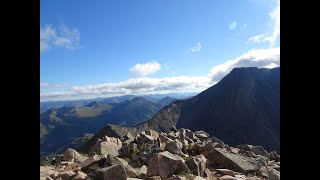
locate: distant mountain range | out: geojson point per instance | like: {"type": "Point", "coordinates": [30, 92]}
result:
{"type": "Point", "coordinates": [44, 106]}
{"type": "Point", "coordinates": [60, 126]}
{"type": "Point", "coordinates": [244, 107]}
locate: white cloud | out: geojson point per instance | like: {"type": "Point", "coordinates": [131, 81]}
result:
{"type": "Point", "coordinates": [233, 25]}
{"type": "Point", "coordinates": [45, 85]}
{"type": "Point", "coordinates": [272, 65]}
{"type": "Point", "coordinates": [65, 37]}
{"type": "Point", "coordinates": [144, 69]}
{"type": "Point", "coordinates": [258, 38]}
{"type": "Point", "coordinates": [143, 85]}
{"type": "Point", "coordinates": [260, 58]}
{"type": "Point", "coordinates": [275, 32]}
{"type": "Point", "coordinates": [196, 48]}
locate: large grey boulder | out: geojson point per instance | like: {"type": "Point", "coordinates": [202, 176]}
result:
{"type": "Point", "coordinates": [70, 154]}
{"type": "Point", "coordinates": [115, 172]}
{"type": "Point", "coordinates": [274, 174]}
{"type": "Point", "coordinates": [148, 152]}
{"type": "Point", "coordinates": [197, 165]}
{"type": "Point", "coordinates": [105, 148]}
{"type": "Point", "coordinates": [112, 160]}
{"type": "Point", "coordinates": [236, 162]}
{"type": "Point", "coordinates": [163, 140]}
{"type": "Point", "coordinates": [173, 148]}
{"type": "Point", "coordinates": [164, 164]}
{"type": "Point", "coordinates": [92, 160]}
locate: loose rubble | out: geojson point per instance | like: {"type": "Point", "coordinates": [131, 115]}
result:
{"type": "Point", "coordinates": [176, 155]}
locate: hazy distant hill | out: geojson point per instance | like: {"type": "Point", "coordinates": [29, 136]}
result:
{"type": "Point", "coordinates": [60, 126]}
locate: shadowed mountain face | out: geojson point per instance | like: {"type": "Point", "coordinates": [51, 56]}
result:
{"type": "Point", "coordinates": [244, 107]}
{"type": "Point", "coordinates": [58, 127]}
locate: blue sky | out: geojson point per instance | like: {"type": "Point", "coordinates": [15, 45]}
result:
{"type": "Point", "coordinates": [105, 48]}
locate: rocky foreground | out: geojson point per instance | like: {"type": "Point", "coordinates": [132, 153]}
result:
{"type": "Point", "coordinates": [176, 155]}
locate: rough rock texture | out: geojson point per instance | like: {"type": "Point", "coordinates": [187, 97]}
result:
{"type": "Point", "coordinates": [197, 165]}
{"type": "Point", "coordinates": [232, 161]}
{"type": "Point", "coordinates": [70, 154]}
{"type": "Point", "coordinates": [164, 164]}
{"type": "Point", "coordinates": [173, 148]}
{"type": "Point", "coordinates": [194, 156]}
{"type": "Point", "coordinates": [104, 148]}
{"type": "Point", "coordinates": [115, 172]}
{"type": "Point", "coordinates": [274, 174]}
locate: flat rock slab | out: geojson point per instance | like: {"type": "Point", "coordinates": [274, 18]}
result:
{"type": "Point", "coordinates": [235, 162]}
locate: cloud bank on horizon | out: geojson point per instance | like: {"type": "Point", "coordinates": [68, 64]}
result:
{"type": "Point", "coordinates": [261, 58]}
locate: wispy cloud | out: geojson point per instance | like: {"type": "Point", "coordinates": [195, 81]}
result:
{"type": "Point", "coordinates": [233, 25]}
{"type": "Point", "coordinates": [271, 36]}
{"type": "Point", "coordinates": [261, 58]}
{"type": "Point", "coordinates": [63, 37]}
{"type": "Point", "coordinates": [196, 48]}
{"type": "Point", "coordinates": [45, 85]}
{"type": "Point", "coordinates": [144, 69]}
{"type": "Point", "coordinates": [259, 38]}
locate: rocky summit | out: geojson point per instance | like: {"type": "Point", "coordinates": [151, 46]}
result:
{"type": "Point", "coordinates": [179, 154]}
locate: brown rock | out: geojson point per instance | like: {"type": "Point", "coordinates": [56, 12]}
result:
{"type": "Point", "coordinates": [173, 148]}
{"type": "Point", "coordinates": [246, 147]}
{"type": "Point", "coordinates": [70, 154]}
{"type": "Point", "coordinates": [66, 175]}
{"type": "Point", "coordinates": [198, 178]}
{"type": "Point", "coordinates": [171, 135]}
{"type": "Point", "coordinates": [143, 171]}
{"type": "Point", "coordinates": [163, 141]}
{"type": "Point", "coordinates": [80, 176]}
{"type": "Point", "coordinates": [226, 172]}
{"type": "Point", "coordinates": [95, 159]}
{"type": "Point", "coordinates": [210, 175]}
{"type": "Point", "coordinates": [72, 166]}
{"type": "Point", "coordinates": [177, 178]}
{"type": "Point", "coordinates": [227, 177]}
{"type": "Point", "coordinates": [274, 175]}
{"type": "Point", "coordinates": [263, 171]}
{"type": "Point", "coordinates": [104, 148]}
{"type": "Point", "coordinates": [145, 139]}
{"type": "Point", "coordinates": [197, 165]}
{"type": "Point", "coordinates": [152, 133]}
{"type": "Point", "coordinates": [234, 150]}
{"type": "Point", "coordinates": [45, 171]}
{"type": "Point", "coordinates": [153, 178]}
{"type": "Point", "coordinates": [258, 150]}
{"type": "Point", "coordinates": [173, 128]}
{"type": "Point", "coordinates": [127, 136]}
{"type": "Point", "coordinates": [115, 172]}
{"type": "Point", "coordinates": [232, 161]}
{"type": "Point", "coordinates": [164, 164]}
{"type": "Point", "coordinates": [253, 178]}
{"type": "Point", "coordinates": [112, 160]}
{"type": "Point", "coordinates": [202, 137]}
{"type": "Point", "coordinates": [114, 140]}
